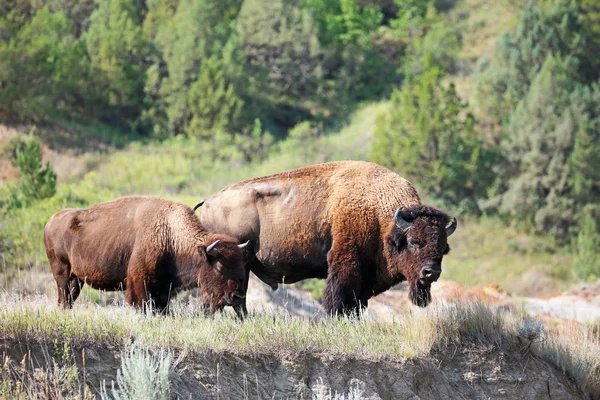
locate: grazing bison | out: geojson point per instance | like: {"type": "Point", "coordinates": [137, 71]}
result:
{"type": "Point", "coordinates": [147, 246]}
{"type": "Point", "coordinates": [357, 224]}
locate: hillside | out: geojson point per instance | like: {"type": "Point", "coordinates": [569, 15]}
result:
{"type": "Point", "coordinates": [490, 107]}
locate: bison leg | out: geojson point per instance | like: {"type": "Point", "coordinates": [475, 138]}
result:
{"type": "Point", "coordinates": [342, 289]}
{"type": "Point", "coordinates": [62, 274]}
{"type": "Point", "coordinates": [136, 293]}
{"type": "Point", "coordinates": [75, 285]}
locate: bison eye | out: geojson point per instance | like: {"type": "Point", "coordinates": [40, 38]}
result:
{"type": "Point", "coordinates": [447, 249]}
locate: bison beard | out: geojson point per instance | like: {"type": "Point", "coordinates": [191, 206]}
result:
{"type": "Point", "coordinates": [420, 294]}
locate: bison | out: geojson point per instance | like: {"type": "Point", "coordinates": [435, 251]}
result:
{"type": "Point", "coordinates": [357, 224]}
{"type": "Point", "coordinates": [147, 246]}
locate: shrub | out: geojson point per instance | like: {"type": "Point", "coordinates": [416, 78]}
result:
{"type": "Point", "coordinates": [142, 376]}
{"type": "Point", "coordinates": [428, 136]}
{"type": "Point", "coordinates": [586, 262]}
{"type": "Point", "coordinates": [37, 182]}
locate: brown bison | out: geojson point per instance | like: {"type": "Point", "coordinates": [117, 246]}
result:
{"type": "Point", "coordinates": [357, 224]}
{"type": "Point", "coordinates": [147, 246]}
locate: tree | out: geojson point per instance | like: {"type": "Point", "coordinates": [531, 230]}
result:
{"type": "Point", "coordinates": [118, 51]}
{"type": "Point", "coordinates": [281, 46]}
{"type": "Point", "coordinates": [42, 66]}
{"type": "Point", "coordinates": [212, 102]}
{"type": "Point", "coordinates": [503, 81]}
{"type": "Point", "coordinates": [199, 30]}
{"type": "Point", "coordinates": [428, 136]}
{"type": "Point", "coordinates": [37, 181]}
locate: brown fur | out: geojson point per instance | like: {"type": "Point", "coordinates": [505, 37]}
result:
{"type": "Point", "coordinates": [334, 221]}
{"type": "Point", "coordinates": [147, 246]}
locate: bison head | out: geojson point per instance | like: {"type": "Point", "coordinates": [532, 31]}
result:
{"type": "Point", "coordinates": [419, 242]}
{"type": "Point", "coordinates": [223, 282]}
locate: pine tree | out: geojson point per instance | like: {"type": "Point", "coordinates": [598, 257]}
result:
{"type": "Point", "coordinates": [427, 136]}
{"type": "Point", "coordinates": [199, 30]}
{"type": "Point", "coordinates": [118, 50]}
{"type": "Point", "coordinates": [37, 181]}
{"type": "Point", "coordinates": [212, 102]}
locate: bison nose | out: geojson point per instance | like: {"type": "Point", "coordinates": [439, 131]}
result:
{"type": "Point", "coordinates": [430, 274]}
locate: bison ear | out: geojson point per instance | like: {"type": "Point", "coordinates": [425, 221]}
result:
{"type": "Point", "coordinates": [402, 220]}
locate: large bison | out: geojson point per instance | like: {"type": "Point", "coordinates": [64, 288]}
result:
{"type": "Point", "coordinates": [147, 246]}
{"type": "Point", "coordinates": [356, 223]}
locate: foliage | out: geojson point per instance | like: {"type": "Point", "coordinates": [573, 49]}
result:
{"type": "Point", "coordinates": [197, 31]}
{"type": "Point", "coordinates": [37, 182]}
{"type": "Point", "coordinates": [556, 30]}
{"type": "Point", "coordinates": [427, 136]}
{"type": "Point", "coordinates": [118, 51]}
{"type": "Point", "coordinates": [586, 260]}
{"type": "Point", "coordinates": [537, 89]}
{"type": "Point", "coordinates": [42, 66]}
{"type": "Point", "coordinates": [212, 103]}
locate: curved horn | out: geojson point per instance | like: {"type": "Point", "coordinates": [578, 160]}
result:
{"type": "Point", "coordinates": [399, 220]}
{"type": "Point", "coordinates": [198, 205]}
{"type": "Point", "coordinates": [212, 250]}
{"type": "Point", "coordinates": [241, 246]}
{"type": "Point", "coordinates": [452, 227]}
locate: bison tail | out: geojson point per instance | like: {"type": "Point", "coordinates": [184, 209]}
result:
{"type": "Point", "coordinates": [197, 206]}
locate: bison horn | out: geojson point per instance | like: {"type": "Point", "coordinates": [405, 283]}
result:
{"type": "Point", "coordinates": [198, 205]}
{"type": "Point", "coordinates": [241, 246]}
{"type": "Point", "coordinates": [399, 220]}
{"type": "Point", "coordinates": [212, 249]}
{"type": "Point", "coordinates": [452, 227]}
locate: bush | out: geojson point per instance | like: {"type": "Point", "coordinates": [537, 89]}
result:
{"type": "Point", "coordinates": [429, 136]}
{"type": "Point", "coordinates": [586, 260]}
{"type": "Point", "coordinates": [37, 182]}
{"type": "Point", "coordinates": [142, 376]}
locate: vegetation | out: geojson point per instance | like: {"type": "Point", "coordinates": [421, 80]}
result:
{"type": "Point", "coordinates": [424, 334]}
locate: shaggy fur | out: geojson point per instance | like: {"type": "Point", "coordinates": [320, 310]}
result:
{"type": "Point", "coordinates": [147, 246]}
{"type": "Point", "coordinates": [333, 221]}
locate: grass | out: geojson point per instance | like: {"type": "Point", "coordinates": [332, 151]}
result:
{"type": "Point", "coordinates": [434, 333]}
{"type": "Point", "coordinates": [38, 319]}
{"type": "Point", "coordinates": [488, 251]}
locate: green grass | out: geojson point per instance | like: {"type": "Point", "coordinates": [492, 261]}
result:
{"type": "Point", "coordinates": [487, 251]}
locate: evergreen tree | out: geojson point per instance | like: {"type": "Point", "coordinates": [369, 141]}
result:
{"type": "Point", "coordinates": [503, 81]}
{"type": "Point", "coordinates": [427, 136]}
{"type": "Point", "coordinates": [118, 51]}
{"type": "Point", "coordinates": [212, 102]}
{"type": "Point", "coordinates": [42, 66]}
{"type": "Point", "coordinates": [198, 31]}
{"type": "Point", "coordinates": [37, 181]}
{"type": "Point", "coordinates": [282, 48]}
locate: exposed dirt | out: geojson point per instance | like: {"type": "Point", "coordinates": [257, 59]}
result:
{"type": "Point", "coordinates": [467, 373]}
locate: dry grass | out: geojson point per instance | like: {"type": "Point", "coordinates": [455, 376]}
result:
{"type": "Point", "coordinates": [575, 350]}
{"type": "Point", "coordinates": [422, 333]}
{"type": "Point", "coordinates": [37, 318]}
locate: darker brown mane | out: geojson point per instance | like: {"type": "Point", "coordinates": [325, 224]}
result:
{"type": "Point", "coordinates": [421, 210]}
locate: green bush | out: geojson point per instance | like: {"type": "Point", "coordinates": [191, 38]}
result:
{"type": "Point", "coordinates": [586, 246]}
{"type": "Point", "coordinates": [37, 181]}
{"type": "Point", "coordinates": [429, 136]}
